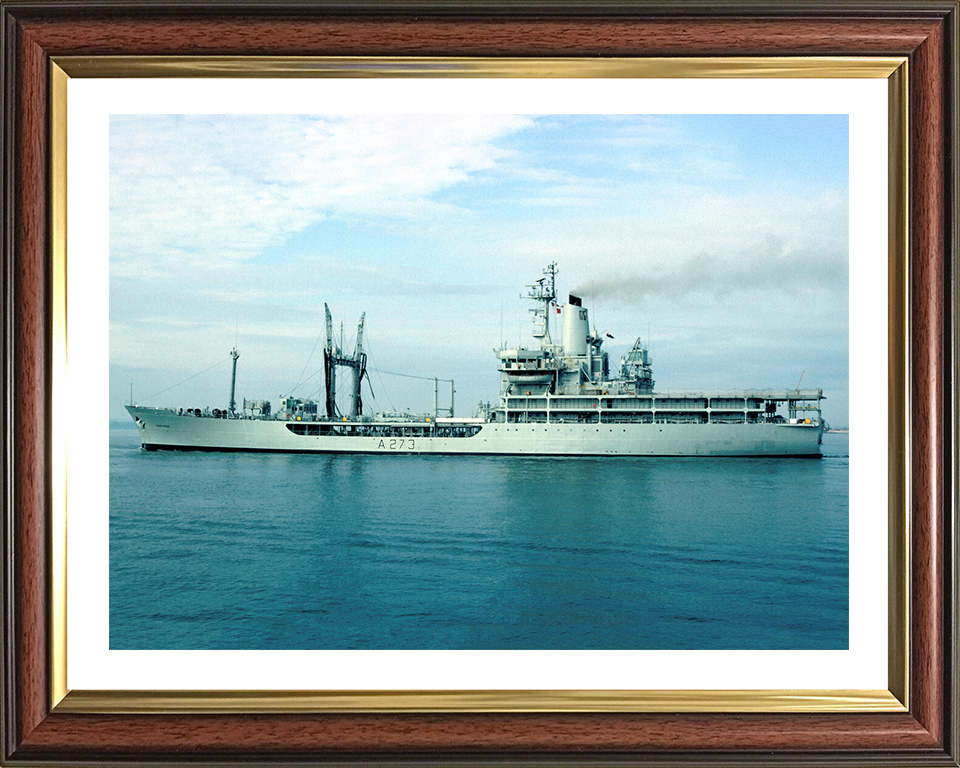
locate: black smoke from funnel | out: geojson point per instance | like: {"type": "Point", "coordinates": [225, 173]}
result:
{"type": "Point", "coordinates": [769, 267]}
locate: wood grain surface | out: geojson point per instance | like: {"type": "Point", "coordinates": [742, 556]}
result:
{"type": "Point", "coordinates": [471, 37]}
{"type": "Point", "coordinates": [929, 381]}
{"type": "Point", "coordinates": [302, 735]}
{"type": "Point", "coordinates": [925, 32]}
{"type": "Point", "coordinates": [31, 382]}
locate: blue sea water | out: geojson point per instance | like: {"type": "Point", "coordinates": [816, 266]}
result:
{"type": "Point", "coordinates": [273, 551]}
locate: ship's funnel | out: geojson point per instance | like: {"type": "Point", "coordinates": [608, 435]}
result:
{"type": "Point", "coordinates": [576, 328]}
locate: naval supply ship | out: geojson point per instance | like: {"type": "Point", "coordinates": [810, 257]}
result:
{"type": "Point", "coordinates": [556, 399]}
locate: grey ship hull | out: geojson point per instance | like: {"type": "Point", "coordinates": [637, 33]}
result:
{"type": "Point", "coordinates": [166, 429]}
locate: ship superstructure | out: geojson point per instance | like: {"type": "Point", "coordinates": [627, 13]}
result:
{"type": "Point", "coordinates": [558, 398]}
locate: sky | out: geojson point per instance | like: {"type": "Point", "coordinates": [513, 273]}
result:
{"type": "Point", "coordinates": [721, 240]}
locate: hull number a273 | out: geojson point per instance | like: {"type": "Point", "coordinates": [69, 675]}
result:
{"type": "Point", "coordinates": [396, 444]}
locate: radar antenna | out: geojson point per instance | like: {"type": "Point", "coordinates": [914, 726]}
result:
{"type": "Point", "coordinates": [543, 291]}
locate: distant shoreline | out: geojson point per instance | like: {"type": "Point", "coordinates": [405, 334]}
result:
{"type": "Point", "coordinates": [843, 431]}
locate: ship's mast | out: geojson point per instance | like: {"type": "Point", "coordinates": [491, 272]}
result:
{"type": "Point", "coordinates": [333, 357]}
{"type": "Point", "coordinates": [233, 382]}
{"type": "Point", "coordinates": [329, 367]}
{"type": "Point", "coordinates": [543, 291]}
{"type": "Point", "coordinates": [359, 366]}
{"type": "Point", "coordinates": [436, 397]}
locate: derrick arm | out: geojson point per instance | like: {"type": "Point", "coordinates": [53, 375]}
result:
{"type": "Point", "coordinates": [329, 367]}
{"type": "Point", "coordinates": [360, 359]}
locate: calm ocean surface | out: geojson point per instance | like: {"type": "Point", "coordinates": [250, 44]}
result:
{"type": "Point", "coordinates": [273, 551]}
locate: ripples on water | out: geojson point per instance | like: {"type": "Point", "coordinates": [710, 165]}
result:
{"type": "Point", "coordinates": [273, 551]}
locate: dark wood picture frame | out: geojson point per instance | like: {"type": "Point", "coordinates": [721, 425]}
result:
{"type": "Point", "coordinates": [33, 33]}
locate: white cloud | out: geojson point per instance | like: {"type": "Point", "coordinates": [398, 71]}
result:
{"type": "Point", "coordinates": [222, 188]}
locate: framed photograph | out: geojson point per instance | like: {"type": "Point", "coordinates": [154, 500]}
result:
{"type": "Point", "coordinates": [765, 194]}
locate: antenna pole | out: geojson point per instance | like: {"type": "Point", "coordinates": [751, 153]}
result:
{"type": "Point", "coordinates": [233, 382]}
{"type": "Point", "coordinates": [801, 379]}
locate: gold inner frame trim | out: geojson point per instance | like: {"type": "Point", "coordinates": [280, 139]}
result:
{"type": "Point", "coordinates": [435, 67]}
{"type": "Point", "coordinates": [898, 414]}
{"type": "Point", "coordinates": [59, 406]}
{"type": "Point", "coordinates": [229, 702]}
{"type": "Point", "coordinates": [893, 69]}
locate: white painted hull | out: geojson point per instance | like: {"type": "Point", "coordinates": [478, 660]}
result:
{"type": "Point", "coordinates": [164, 429]}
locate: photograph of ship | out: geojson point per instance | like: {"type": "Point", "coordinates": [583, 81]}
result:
{"type": "Point", "coordinates": [555, 400]}
{"type": "Point", "coordinates": [479, 382]}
